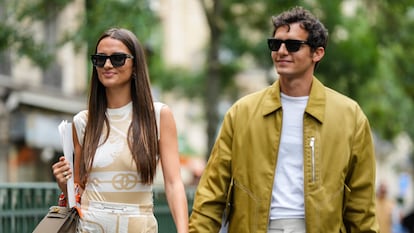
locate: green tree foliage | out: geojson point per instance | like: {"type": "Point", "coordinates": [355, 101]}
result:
{"type": "Point", "coordinates": [16, 19]}
{"type": "Point", "coordinates": [351, 53]}
{"type": "Point", "coordinates": [368, 57]}
{"type": "Point", "coordinates": [134, 15]}
{"type": "Point", "coordinates": [395, 73]}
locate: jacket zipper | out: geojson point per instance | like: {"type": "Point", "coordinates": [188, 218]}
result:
{"type": "Point", "coordinates": [312, 146]}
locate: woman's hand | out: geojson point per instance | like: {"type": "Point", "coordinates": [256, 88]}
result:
{"type": "Point", "coordinates": [62, 172]}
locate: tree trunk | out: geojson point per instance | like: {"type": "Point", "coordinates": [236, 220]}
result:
{"type": "Point", "coordinates": [211, 97]}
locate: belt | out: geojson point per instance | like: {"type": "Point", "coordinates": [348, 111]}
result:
{"type": "Point", "coordinates": [114, 207]}
{"type": "Point", "coordinates": [297, 225]}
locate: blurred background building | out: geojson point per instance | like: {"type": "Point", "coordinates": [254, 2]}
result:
{"type": "Point", "coordinates": [34, 101]}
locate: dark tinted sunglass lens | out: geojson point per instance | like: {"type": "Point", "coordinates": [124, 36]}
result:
{"type": "Point", "coordinates": [292, 46]}
{"type": "Point", "coordinates": [274, 44]}
{"type": "Point", "coordinates": [98, 60]}
{"type": "Point", "coordinates": [118, 59]}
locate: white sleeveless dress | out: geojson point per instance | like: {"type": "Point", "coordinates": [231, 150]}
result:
{"type": "Point", "coordinates": [114, 199]}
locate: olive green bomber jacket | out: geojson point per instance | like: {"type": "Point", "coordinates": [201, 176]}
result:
{"type": "Point", "coordinates": [339, 166]}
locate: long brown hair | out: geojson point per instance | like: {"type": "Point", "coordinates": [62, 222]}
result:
{"type": "Point", "coordinates": [142, 133]}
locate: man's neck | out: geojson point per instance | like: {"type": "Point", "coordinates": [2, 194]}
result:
{"type": "Point", "coordinates": [296, 87]}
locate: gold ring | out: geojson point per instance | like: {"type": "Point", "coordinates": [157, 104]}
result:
{"type": "Point", "coordinates": [67, 177]}
{"type": "Point", "coordinates": [65, 173]}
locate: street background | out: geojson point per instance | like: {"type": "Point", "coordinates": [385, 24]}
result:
{"type": "Point", "coordinates": [203, 56]}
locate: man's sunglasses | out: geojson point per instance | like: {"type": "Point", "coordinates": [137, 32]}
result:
{"type": "Point", "coordinates": [291, 45]}
{"type": "Point", "coordinates": [117, 60]}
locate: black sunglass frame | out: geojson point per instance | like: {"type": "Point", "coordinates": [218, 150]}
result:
{"type": "Point", "coordinates": [291, 45]}
{"type": "Point", "coordinates": [117, 59]}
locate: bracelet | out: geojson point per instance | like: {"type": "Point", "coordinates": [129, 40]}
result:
{"type": "Point", "coordinates": [62, 200]}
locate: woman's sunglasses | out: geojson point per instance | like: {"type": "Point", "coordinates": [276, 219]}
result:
{"type": "Point", "coordinates": [291, 45]}
{"type": "Point", "coordinates": [117, 60]}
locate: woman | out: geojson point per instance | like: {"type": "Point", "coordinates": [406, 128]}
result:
{"type": "Point", "coordinates": [118, 142]}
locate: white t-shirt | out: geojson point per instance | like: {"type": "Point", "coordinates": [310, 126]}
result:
{"type": "Point", "coordinates": [287, 194]}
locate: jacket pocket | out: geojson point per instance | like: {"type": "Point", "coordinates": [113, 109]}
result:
{"type": "Point", "coordinates": [343, 229]}
{"type": "Point", "coordinates": [347, 193]}
{"type": "Point", "coordinates": [245, 214]}
{"type": "Point", "coordinates": [229, 202]}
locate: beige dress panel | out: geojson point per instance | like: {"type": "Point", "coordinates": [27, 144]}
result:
{"type": "Point", "coordinates": [114, 199]}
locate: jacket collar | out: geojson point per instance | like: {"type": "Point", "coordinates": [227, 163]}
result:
{"type": "Point", "coordinates": [272, 102]}
{"type": "Point", "coordinates": [316, 103]}
{"type": "Point", "coordinates": [317, 100]}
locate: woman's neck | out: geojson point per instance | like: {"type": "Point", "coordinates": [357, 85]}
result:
{"type": "Point", "coordinates": [117, 100]}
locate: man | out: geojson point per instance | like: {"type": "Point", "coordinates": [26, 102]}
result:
{"type": "Point", "coordinates": [294, 157]}
{"type": "Point", "coordinates": [385, 208]}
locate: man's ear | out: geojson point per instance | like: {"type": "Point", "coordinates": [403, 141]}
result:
{"type": "Point", "coordinates": [318, 54]}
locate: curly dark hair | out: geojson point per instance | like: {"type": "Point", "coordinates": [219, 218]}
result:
{"type": "Point", "coordinates": [318, 34]}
